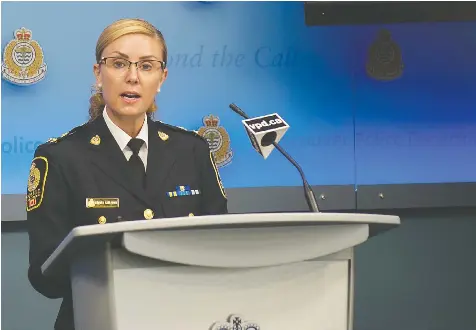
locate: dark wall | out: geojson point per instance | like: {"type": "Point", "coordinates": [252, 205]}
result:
{"type": "Point", "coordinates": [419, 276]}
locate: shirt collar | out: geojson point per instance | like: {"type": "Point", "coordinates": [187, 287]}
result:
{"type": "Point", "coordinates": [121, 137]}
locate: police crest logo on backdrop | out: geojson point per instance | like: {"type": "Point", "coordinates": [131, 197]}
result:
{"type": "Point", "coordinates": [218, 140]}
{"type": "Point", "coordinates": [23, 59]}
{"type": "Point", "coordinates": [384, 60]}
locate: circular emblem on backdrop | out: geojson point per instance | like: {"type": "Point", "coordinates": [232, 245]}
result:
{"type": "Point", "coordinates": [218, 140]}
{"type": "Point", "coordinates": [34, 178]}
{"type": "Point", "coordinates": [384, 58]}
{"type": "Point", "coordinates": [23, 60]}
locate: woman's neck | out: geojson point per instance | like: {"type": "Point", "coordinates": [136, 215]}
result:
{"type": "Point", "coordinates": [131, 125]}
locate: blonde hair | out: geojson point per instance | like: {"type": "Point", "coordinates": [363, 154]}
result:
{"type": "Point", "coordinates": [111, 33]}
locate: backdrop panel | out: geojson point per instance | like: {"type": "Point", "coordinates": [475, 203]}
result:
{"type": "Point", "coordinates": [415, 118]}
{"type": "Point", "coordinates": [367, 104]}
{"type": "Point", "coordinates": [259, 55]}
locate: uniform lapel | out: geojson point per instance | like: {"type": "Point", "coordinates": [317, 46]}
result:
{"type": "Point", "coordinates": [109, 158]}
{"type": "Point", "coordinates": [161, 158]}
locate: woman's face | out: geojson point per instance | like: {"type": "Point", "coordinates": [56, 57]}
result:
{"type": "Point", "coordinates": [130, 89]}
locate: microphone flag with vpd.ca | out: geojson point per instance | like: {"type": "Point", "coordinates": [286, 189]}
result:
{"type": "Point", "coordinates": [264, 131]}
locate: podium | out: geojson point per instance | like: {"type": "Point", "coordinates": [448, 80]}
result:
{"type": "Point", "coordinates": [263, 271]}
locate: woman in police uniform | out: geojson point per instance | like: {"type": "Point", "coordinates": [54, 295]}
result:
{"type": "Point", "coordinates": [121, 165]}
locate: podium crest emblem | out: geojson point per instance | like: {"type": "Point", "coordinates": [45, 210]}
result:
{"type": "Point", "coordinates": [235, 322]}
{"type": "Point", "coordinates": [23, 59]}
{"type": "Point", "coordinates": [218, 140]}
{"type": "Point", "coordinates": [384, 60]}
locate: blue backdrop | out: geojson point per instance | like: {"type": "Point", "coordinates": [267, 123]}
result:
{"type": "Point", "coordinates": [346, 126]}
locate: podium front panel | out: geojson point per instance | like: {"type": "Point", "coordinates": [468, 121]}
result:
{"type": "Point", "coordinates": [279, 278]}
{"type": "Point", "coordinates": [307, 295]}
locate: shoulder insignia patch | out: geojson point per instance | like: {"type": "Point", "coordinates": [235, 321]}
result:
{"type": "Point", "coordinates": [95, 140]}
{"type": "Point", "coordinates": [220, 183]}
{"type": "Point", "coordinates": [36, 183]}
{"type": "Point", "coordinates": [163, 136]}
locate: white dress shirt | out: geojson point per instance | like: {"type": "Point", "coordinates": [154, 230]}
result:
{"type": "Point", "coordinates": [122, 138]}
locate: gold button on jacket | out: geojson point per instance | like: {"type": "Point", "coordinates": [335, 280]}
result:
{"type": "Point", "coordinates": [148, 214]}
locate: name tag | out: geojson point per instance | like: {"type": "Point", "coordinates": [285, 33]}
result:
{"type": "Point", "coordinates": [102, 203]}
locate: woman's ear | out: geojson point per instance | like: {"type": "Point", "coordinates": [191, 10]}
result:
{"type": "Point", "coordinates": [162, 80]}
{"type": "Point", "coordinates": [97, 74]}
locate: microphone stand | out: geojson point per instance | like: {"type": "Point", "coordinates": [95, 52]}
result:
{"type": "Point", "coordinates": [308, 193]}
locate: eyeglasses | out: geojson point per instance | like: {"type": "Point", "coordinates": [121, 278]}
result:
{"type": "Point", "coordinates": [121, 65]}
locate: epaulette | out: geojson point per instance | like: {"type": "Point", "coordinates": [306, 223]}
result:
{"type": "Point", "coordinates": [181, 129]}
{"type": "Point", "coordinates": [64, 135]}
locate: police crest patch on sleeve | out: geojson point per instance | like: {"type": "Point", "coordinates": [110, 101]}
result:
{"type": "Point", "coordinates": [36, 183]}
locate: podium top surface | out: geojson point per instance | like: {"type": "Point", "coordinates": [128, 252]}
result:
{"type": "Point", "coordinates": [83, 235]}
{"type": "Point", "coordinates": [236, 220]}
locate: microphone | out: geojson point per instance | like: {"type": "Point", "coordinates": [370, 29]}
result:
{"type": "Point", "coordinates": [265, 133]}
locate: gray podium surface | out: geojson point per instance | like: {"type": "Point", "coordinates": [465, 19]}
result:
{"type": "Point", "coordinates": [259, 271]}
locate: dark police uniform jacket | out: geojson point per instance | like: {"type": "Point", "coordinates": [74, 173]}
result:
{"type": "Point", "coordinates": [87, 163]}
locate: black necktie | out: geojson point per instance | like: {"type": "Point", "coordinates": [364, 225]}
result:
{"type": "Point", "coordinates": [136, 165]}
